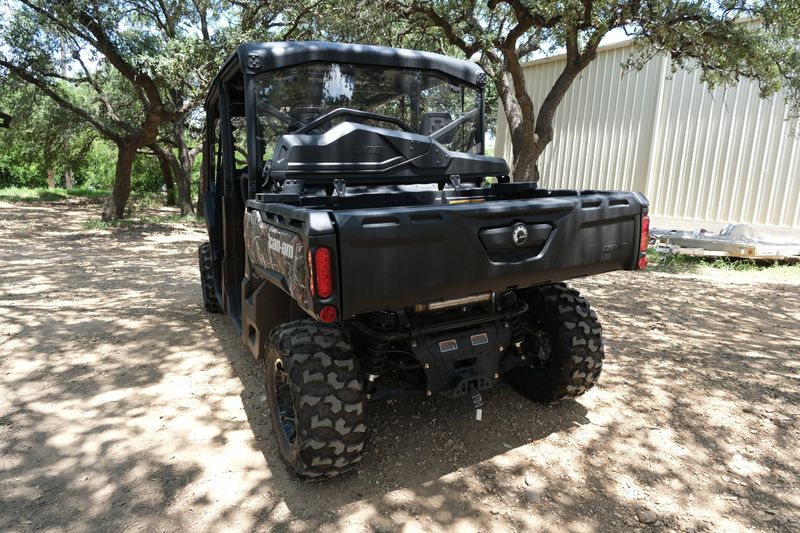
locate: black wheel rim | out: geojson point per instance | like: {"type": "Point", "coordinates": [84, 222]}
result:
{"type": "Point", "coordinates": [284, 402]}
{"type": "Point", "coordinates": [537, 348]}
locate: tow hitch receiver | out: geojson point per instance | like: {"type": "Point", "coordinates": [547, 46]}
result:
{"type": "Point", "coordinates": [461, 363]}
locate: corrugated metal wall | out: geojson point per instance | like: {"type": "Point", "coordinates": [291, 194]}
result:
{"type": "Point", "coordinates": [721, 156]}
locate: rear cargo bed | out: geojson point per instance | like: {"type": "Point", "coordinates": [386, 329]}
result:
{"type": "Point", "coordinates": [394, 257]}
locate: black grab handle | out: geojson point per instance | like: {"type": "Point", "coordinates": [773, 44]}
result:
{"type": "Point", "coordinates": [353, 112]}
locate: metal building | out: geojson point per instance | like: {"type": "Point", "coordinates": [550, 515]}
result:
{"type": "Point", "coordinates": [702, 158]}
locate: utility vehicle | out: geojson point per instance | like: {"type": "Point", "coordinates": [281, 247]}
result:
{"type": "Point", "coordinates": [366, 248]}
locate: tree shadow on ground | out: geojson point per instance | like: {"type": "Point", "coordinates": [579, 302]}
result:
{"type": "Point", "coordinates": [84, 354]}
{"type": "Point", "coordinates": [412, 445]}
{"type": "Point", "coordinates": [123, 405]}
{"type": "Point", "coordinates": [688, 398]}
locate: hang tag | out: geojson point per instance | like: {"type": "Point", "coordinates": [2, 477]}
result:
{"type": "Point", "coordinates": [477, 402]}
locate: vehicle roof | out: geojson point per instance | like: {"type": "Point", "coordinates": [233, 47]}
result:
{"type": "Point", "coordinates": [253, 58]}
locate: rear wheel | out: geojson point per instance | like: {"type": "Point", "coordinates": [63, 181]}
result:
{"type": "Point", "coordinates": [210, 301]}
{"type": "Point", "coordinates": [316, 399]}
{"type": "Point", "coordinates": [563, 345]}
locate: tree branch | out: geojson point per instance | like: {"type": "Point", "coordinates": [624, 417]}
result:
{"type": "Point", "coordinates": [100, 93]}
{"type": "Point", "coordinates": [287, 35]}
{"type": "Point", "coordinates": [443, 23]}
{"type": "Point", "coordinates": [203, 17]}
{"type": "Point", "coordinates": [50, 91]}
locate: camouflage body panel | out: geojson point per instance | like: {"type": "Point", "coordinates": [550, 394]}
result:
{"type": "Point", "coordinates": [280, 251]}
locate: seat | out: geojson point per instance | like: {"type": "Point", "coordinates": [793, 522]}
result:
{"type": "Point", "coordinates": [433, 122]}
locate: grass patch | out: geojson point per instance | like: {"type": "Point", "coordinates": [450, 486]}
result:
{"type": "Point", "coordinates": [139, 202]}
{"type": "Point", "coordinates": [145, 220]}
{"type": "Point", "coordinates": [23, 194]}
{"type": "Point", "coordinates": [674, 263]}
{"type": "Point", "coordinates": [680, 263]}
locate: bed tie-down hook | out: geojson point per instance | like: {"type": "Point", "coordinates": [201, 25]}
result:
{"type": "Point", "coordinates": [340, 187]}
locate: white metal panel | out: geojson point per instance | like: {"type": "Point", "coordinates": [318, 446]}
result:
{"type": "Point", "coordinates": [726, 155]}
{"type": "Point", "coordinates": [720, 156]}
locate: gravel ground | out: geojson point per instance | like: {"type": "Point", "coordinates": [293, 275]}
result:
{"type": "Point", "coordinates": [124, 406]}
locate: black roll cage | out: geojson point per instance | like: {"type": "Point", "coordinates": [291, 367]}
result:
{"type": "Point", "coordinates": [254, 58]}
{"type": "Point", "coordinates": [224, 197]}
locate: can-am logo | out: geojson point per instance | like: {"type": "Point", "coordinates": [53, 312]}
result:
{"type": "Point", "coordinates": [519, 234]}
{"type": "Point", "coordinates": [284, 248]}
{"type": "Point", "coordinates": [369, 150]}
{"type": "Point", "coordinates": [608, 248]}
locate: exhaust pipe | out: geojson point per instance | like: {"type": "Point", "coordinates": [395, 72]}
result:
{"type": "Point", "coordinates": [456, 302]}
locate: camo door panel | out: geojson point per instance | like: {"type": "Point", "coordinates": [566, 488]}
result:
{"type": "Point", "coordinates": [281, 251]}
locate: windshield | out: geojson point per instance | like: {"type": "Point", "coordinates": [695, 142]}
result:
{"type": "Point", "coordinates": [429, 103]}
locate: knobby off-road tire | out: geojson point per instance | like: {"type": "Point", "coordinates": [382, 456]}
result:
{"type": "Point", "coordinates": [316, 399]}
{"type": "Point", "coordinates": [572, 336]}
{"type": "Point", "coordinates": [207, 279]}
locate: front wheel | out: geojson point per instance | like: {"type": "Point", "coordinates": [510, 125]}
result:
{"type": "Point", "coordinates": [563, 346]}
{"type": "Point", "coordinates": [316, 399]}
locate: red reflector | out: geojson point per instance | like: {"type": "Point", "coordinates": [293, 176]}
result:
{"type": "Point", "coordinates": [642, 262]}
{"type": "Point", "coordinates": [328, 314]}
{"type": "Point", "coordinates": [645, 236]}
{"type": "Point", "coordinates": [323, 271]}
{"type": "Point", "coordinates": [310, 273]}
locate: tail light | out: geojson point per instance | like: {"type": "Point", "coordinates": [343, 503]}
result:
{"type": "Point", "coordinates": [328, 314]}
{"type": "Point", "coordinates": [644, 240]}
{"type": "Point", "coordinates": [320, 280]}
{"type": "Point", "coordinates": [323, 272]}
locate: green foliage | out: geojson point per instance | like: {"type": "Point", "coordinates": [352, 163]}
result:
{"type": "Point", "coordinates": [712, 35]}
{"type": "Point", "coordinates": [98, 170]}
{"type": "Point", "coordinates": [88, 94]}
{"type": "Point", "coordinates": [674, 263]}
{"type": "Point", "coordinates": [728, 40]}
{"type": "Point", "coordinates": [41, 137]}
{"type": "Point", "coordinates": [146, 176]}
{"type": "Point", "coordinates": [19, 172]}
{"type": "Point", "coordinates": [135, 71]}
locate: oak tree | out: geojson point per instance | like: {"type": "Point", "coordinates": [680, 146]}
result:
{"type": "Point", "coordinates": [137, 57]}
{"type": "Point", "coordinates": [726, 39]}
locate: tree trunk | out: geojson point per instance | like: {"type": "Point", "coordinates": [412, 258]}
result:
{"type": "Point", "coordinates": [114, 206]}
{"type": "Point", "coordinates": [182, 166]}
{"type": "Point", "coordinates": [169, 183]}
{"type": "Point", "coordinates": [524, 166]}
{"type": "Point", "coordinates": [69, 179]}
{"type": "Point", "coordinates": [526, 144]}
{"type": "Point", "coordinates": [51, 178]}
{"type": "Point", "coordinates": [531, 131]}
{"type": "Point", "coordinates": [182, 171]}
{"type": "Point", "coordinates": [520, 117]}
{"type": "Point", "coordinates": [184, 179]}
{"type": "Point", "coordinates": [201, 211]}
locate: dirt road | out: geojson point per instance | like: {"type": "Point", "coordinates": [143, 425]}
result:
{"type": "Point", "coordinates": [124, 406]}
